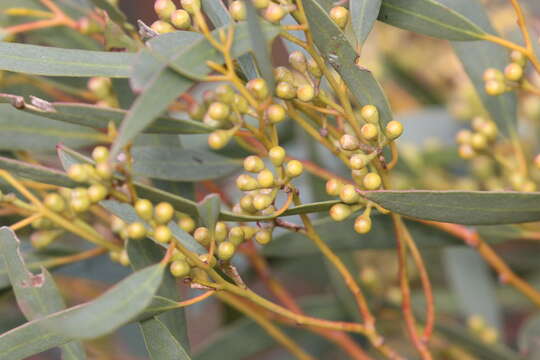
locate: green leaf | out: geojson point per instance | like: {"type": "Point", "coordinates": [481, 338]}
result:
{"type": "Point", "coordinates": [260, 46]}
{"type": "Point", "coordinates": [99, 317]}
{"type": "Point", "coordinates": [333, 44]}
{"type": "Point", "coordinates": [49, 61]}
{"type": "Point", "coordinates": [163, 86]}
{"type": "Point", "coordinates": [177, 164]}
{"type": "Point", "coordinates": [36, 172]}
{"type": "Point", "coordinates": [209, 210]}
{"type": "Point", "coordinates": [461, 207]}
{"type": "Point", "coordinates": [446, 19]}
{"type": "Point", "coordinates": [165, 335]}
{"type": "Point", "coordinates": [341, 237]}
{"type": "Point", "coordinates": [37, 295]}
{"type": "Point", "coordinates": [363, 16]}
{"type": "Point", "coordinates": [113, 11]}
{"type": "Point", "coordinates": [23, 131]}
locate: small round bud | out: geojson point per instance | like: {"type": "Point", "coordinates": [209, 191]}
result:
{"type": "Point", "coordinates": [97, 192]}
{"type": "Point", "coordinates": [240, 104]}
{"type": "Point", "coordinates": [117, 224]}
{"type": "Point", "coordinates": [80, 204]}
{"type": "Point", "coordinates": [297, 59]}
{"type": "Point", "coordinates": [339, 15]}
{"type": "Point", "coordinates": [258, 88]}
{"type": "Point", "coordinates": [237, 9]}
{"type": "Point", "coordinates": [518, 58]}
{"type": "Point", "coordinates": [463, 137]}
{"type": "Point", "coordinates": [218, 139]}
{"type": "Point", "coordinates": [144, 208]}
{"type": "Point", "coordinates": [226, 250]}
{"type": "Point", "coordinates": [294, 168]}
{"type": "Point", "coordinates": [162, 27]}
{"type": "Point", "coordinates": [164, 9]}
{"type": "Point", "coordinates": [263, 237]}
{"type": "Point", "coordinates": [55, 202]}
{"type": "Point", "coordinates": [305, 93]}
{"type": "Point", "coordinates": [220, 232]}
{"type": "Point", "coordinates": [187, 224]}
{"type": "Point", "coordinates": [104, 171]}
{"type": "Point", "coordinates": [136, 230]}
{"type": "Point", "coordinates": [276, 113]}
{"type": "Point", "coordinates": [358, 175]}
{"type": "Point", "coordinates": [180, 268]}
{"type": "Point", "coordinates": [219, 111]}
{"type": "Point", "coordinates": [489, 130]}
{"type": "Point", "coordinates": [394, 129]}
{"type": "Point", "coordinates": [362, 224]}
{"type": "Point", "coordinates": [348, 194]}
{"type": "Point", "coordinates": [281, 73]}
{"type": "Point", "coordinates": [205, 258]}
{"type": "Point", "coordinates": [277, 155]}
{"type": "Point", "coordinates": [466, 151]}
{"type": "Point", "coordinates": [100, 154]}
{"type": "Point", "coordinates": [369, 131]}
{"type": "Point", "coordinates": [124, 258]}
{"type": "Point", "coordinates": [202, 235]}
{"type": "Point", "coordinates": [494, 87]}
{"type": "Point", "coordinates": [43, 238]}
{"type": "Point", "coordinates": [372, 181]}
{"type": "Point", "coordinates": [476, 323]}
{"type": "Point", "coordinates": [163, 213]}
{"type": "Point", "coordinates": [178, 255]}
{"type": "Point", "coordinates": [78, 173]}
{"type": "Point", "coordinates": [265, 179]}
{"type": "Point", "coordinates": [100, 87]}
{"type": "Point", "coordinates": [191, 5]}
{"type": "Point", "coordinates": [260, 4]}
{"type": "Point", "coordinates": [236, 235]}
{"type": "Point", "coordinates": [493, 74]}
{"type": "Point", "coordinates": [225, 94]}
{"type": "Point", "coordinates": [333, 187]}
{"type": "Point", "coordinates": [246, 204]}
{"type": "Point", "coordinates": [285, 90]}
{"type": "Point", "coordinates": [314, 68]}
{"type": "Point", "coordinates": [246, 183]}
{"type": "Point", "coordinates": [479, 141]}
{"type": "Point", "coordinates": [349, 142]}
{"type": "Point", "coordinates": [253, 164]}
{"type": "Point", "coordinates": [513, 72]}
{"type": "Point", "coordinates": [340, 212]}
{"type": "Point", "coordinates": [181, 19]}
{"type": "Point", "coordinates": [249, 231]}
{"type": "Point", "coordinates": [274, 13]}
{"type": "Point", "coordinates": [79, 192]}
{"type": "Point", "coordinates": [370, 114]}
{"type": "Point", "coordinates": [162, 234]}
{"type": "Point", "coordinates": [358, 161]}
{"type": "Point", "coordinates": [262, 201]}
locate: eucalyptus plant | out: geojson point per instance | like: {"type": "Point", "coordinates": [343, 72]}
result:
{"type": "Point", "coordinates": [241, 157]}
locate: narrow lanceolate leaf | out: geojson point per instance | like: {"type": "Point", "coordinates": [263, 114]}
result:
{"type": "Point", "coordinates": [99, 317]}
{"type": "Point", "coordinates": [177, 164]}
{"type": "Point", "coordinates": [333, 44]}
{"type": "Point", "coordinates": [49, 61]}
{"type": "Point", "coordinates": [37, 295]}
{"type": "Point", "coordinates": [462, 207]}
{"type": "Point", "coordinates": [23, 131]}
{"type": "Point", "coordinates": [478, 56]}
{"type": "Point", "coordinates": [36, 172]}
{"type": "Point", "coordinates": [363, 16]}
{"type": "Point", "coordinates": [260, 46]}
{"type": "Point", "coordinates": [438, 18]}
{"type": "Point", "coordinates": [171, 77]}
{"type": "Point", "coordinates": [165, 335]}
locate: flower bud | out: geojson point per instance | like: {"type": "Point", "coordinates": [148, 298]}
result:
{"type": "Point", "coordinates": [258, 88]}
{"type": "Point", "coordinates": [394, 129]}
{"type": "Point", "coordinates": [191, 5]}
{"type": "Point", "coordinates": [104, 170]}
{"type": "Point", "coordinates": [163, 212]}
{"type": "Point", "coordinates": [358, 161]}
{"type": "Point", "coordinates": [262, 201]}
{"type": "Point", "coordinates": [237, 9]}
{"type": "Point", "coordinates": [226, 250]}
{"type": "Point", "coordinates": [314, 68]}
{"type": "Point", "coordinates": [372, 181]}
{"type": "Point", "coordinates": [340, 212]}
{"type": "Point", "coordinates": [297, 59]}
{"type": "Point", "coordinates": [162, 27]}
{"type": "Point", "coordinates": [80, 204]}
{"type": "Point", "coordinates": [221, 231]}
{"type": "Point", "coordinates": [305, 92]}
{"type": "Point", "coordinates": [164, 9]}
{"type": "Point", "coordinates": [219, 111]}
{"type": "Point", "coordinates": [479, 141]}
{"type": "Point", "coordinates": [274, 13]}
{"type": "Point", "coordinates": [162, 234]}
{"type": "Point", "coordinates": [339, 15]}
{"type": "Point", "coordinates": [253, 164]}
{"type": "Point", "coordinates": [493, 74]}
{"type": "Point", "coordinates": [276, 113]}
{"type": "Point", "coordinates": [144, 208]}
{"type": "Point", "coordinates": [466, 151]}
{"type": "Point", "coordinates": [513, 72]}
{"type": "Point", "coordinates": [349, 142]}
{"type": "Point", "coordinates": [78, 173]}
{"type": "Point", "coordinates": [260, 4]}
{"type": "Point", "coordinates": [181, 19]}
{"type": "Point", "coordinates": [281, 73]}
{"type": "Point", "coordinates": [246, 204]}
{"type": "Point", "coordinates": [518, 58]}
{"type": "Point", "coordinates": [202, 235]}
{"type": "Point", "coordinates": [97, 192]}
{"type": "Point", "coordinates": [294, 168]}
{"type": "Point", "coordinates": [263, 237]}
{"type": "Point", "coordinates": [100, 154]}
{"type": "Point", "coordinates": [277, 155]}
{"type": "Point", "coordinates": [265, 179]}
{"type": "Point", "coordinates": [136, 231]}
{"type": "Point", "coordinates": [100, 87]}
{"type": "Point", "coordinates": [219, 139]}
{"type": "Point", "coordinates": [362, 224]}
{"type": "Point", "coordinates": [186, 223]}
{"type": "Point", "coordinates": [369, 131]}
{"type": "Point", "coordinates": [333, 187]}
{"type": "Point", "coordinates": [246, 183]}
{"type": "Point", "coordinates": [285, 90]}
{"type": "Point", "coordinates": [55, 202]}
{"type": "Point", "coordinates": [240, 104]}
{"type": "Point", "coordinates": [370, 114]}
{"type": "Point", "coordinates": [180, 268]}
{"type": "Point", "coordinates": [236, 235]}
{"type": "Point", "coordinates": [464, 137]}
{"type": "Point", "coordinates": [348, 194]}
{"type": "Point", "coordinates": [494, 87]}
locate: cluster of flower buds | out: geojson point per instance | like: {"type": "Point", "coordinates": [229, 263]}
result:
{"type": "Point", "coordinates": [477, 141]}
{"type": "Point", "coordinates": [172, 18]}
{"type": "Point", "coordinates": [498, 82]}
{"type": "Point", "coordinates": [478, 327]}
{"type": "Point", "coordinates": [101, 88]}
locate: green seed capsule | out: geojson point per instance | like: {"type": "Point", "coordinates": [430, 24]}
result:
{"type": "Point", "coordinates": [263, 237]}
{"type": "Point", "coordinates": [163, 213]}
{"type": "Point", "coordinates": [144, 208]}
{"type": "Point", "coordinates": [181, 19]}
{"type": "Point", "coordinates": [340, 212]}
{"type": "Point", "coordinates": [136, 230]}
{"type": "Point", "coordinates": [55, 202]}
{"type": "Point", "coordinates": [97, 192]}
{"type": "Point", "coordinates": [162, 234]}
{"type": "Point", "coordinates": [202, 235]}
{"type": "Point", "coordinates": [226, 250]}
{"type": "Point", "coordinates": [180, 268]}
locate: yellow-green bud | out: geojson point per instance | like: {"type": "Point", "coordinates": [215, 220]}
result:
{"type": "Point", "coordinates": [358, 161]}
{"type": "Point", "coordinates": [362, 224]}
{"type": "Point", "coordinates": [219, 111]}
{"type": "Point", "coordinates": [494, 87]}
{"type": "Point", "coordinates": [246, 204]}
{"type": "Point", "coordinates": [55, 202]}
{"type": "Point", "coordinates": [297, 59]}
{"type": "Point", "coordinates": [180, 268]}
{"type": "Point", "coordinates": [340, 15]}
{"type": "Point", "coordinates": [163, 212]}
{"type": "Point", "coordinates": [80, 204]}
{"type": "Point", "coordinates": [305, 92]}
{"type": "Point", "coordinates": [394, 129]}
{"type": "Point", "coordinates": [260, 4]}
{"type": "Point", "coordinates": [136, 230]}
{"type": "Point", "coordinates": [349, 142]}
{"type": "Point", "coordinates": [144, 208]}
{"type": "Point", "coordinates": [348, 194]}
{"type": "Point", "coordinates": [518, 57]}
{"type": "Point", "coordinates": [466, 151]}
{"type": "Point", "coordinates": [237, 9]}
{"type": "Point", "coordinates": [97, 192]}
{"type": "Point", "coordinates": [162, 234]}
{"type": "Point", "coordinates": [276, 113]}
{"type": "Point", "coordinates": [370, 114]}
{"type": "Point", "coordinates": [104, 170]}
{"type": "Point", "coordinates": [205, 258]}
{"type": "Point", "coordinates": [226, 250]}
{"type": "Point", "coordinates": [263, 237]}
{"type": "Point", "coordinates": [164, 9]}
{"type": "Point", "coordinates": [340, 212]}
{"type": "Point", "coordinates": [221, 231]}
{"type": "Point", "coordinates": [202, 235]}
{"type": "Point", "coordinates": [240, 104]}
{"type": "Point", "coordinates": [265, 179]}
{"type": "Point", "coordinates": [513, 72]}
{"type": "Point", "coordinates": [249, 231]}
{"type": "Point", "coordinates": [78, 173]}
{"type": "Point", "coordinates": [191, 5]}
{"type": "Point", "coordinates": [246, 183]}
{"type": "Point", "coordinates": [274, 13]}
{"type": "Point", "coordinates": [314, 68]}
{"type": "Point", "coordinates": [43, 238]}
{"type": "Point", "coordinates": [285, 90]}
{"type": "Point", "coordinates": [178, 255]}
{"type": "Point", "coordinates": [369, 131]}
{"type": "Point", "coordinates": [236, 235]}
{"type": "Point", "coordinates": [181, 19]}
{"type": "Point", "coordinates": [253, 164]}
{"type": "Point", "coordinates": [100, 154]}
{"type": "Point", "coordinates": [100, 87]}
{"type": "Point", "coordinates": [123, 259]}
{"type": "Point", "coordinates": [218, 139]}
{"type": "Point", "coordinates": [372, 181]}
{"type": "Point", "coordinates": [262, 201]}
{"type": "Point", "coordinates": [294, 168]}
{"type": "Point", "coordinates": [493, 74]}
{"type": "Point", "coordinates": [258, 88]}
{"type": "Point", "coordinates": [225, 94]}
{"type": "Point", "coordinates": [187, 223]}
{"type": "Point", "coordinates": [479, 141]}
{"type": "Point", "coordinates": [277, 155]}
{"type": "Point", "coordinates": [281, 73]}
{"type": "Point", "coordinates": [463, 137]}
{"type": "Point", "coordinates": [162, 27]}
{"type": "Point", "coordinates": [333, 187]}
